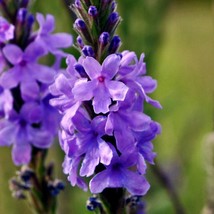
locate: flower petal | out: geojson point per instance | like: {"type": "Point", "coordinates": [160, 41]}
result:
{"type": "Point", "coordinates": [90, 161]}
{"type": "Point", "coordinates": [92, 67]}
{"type": "Point", "coordinates": [117, 90]}
{"type": "Point", "coordinates": [135, 183]}
{"type": "Point", "coordinates": [13, 53]}
{"type": "Point", "coordinates": [11, 78]}
{"type": "Point", "coordinates": [110, 66]}
{"type": "Point", "coordinates": [41, 73]}
{"type": "Point", "coordinates": [105, 152]}
{"type": "Point", "coordinates": [101, 101]}
{"type": "Point", "coordinates": [7, 133]}
{"type": "Point", "coordinates": [60, 40]}
{"type": "Point", "coordinates": [29, 90]}
{"type": "Point", "coordinates": [83, 89]}
{"type": "Point", "coordinates": [106, 178]}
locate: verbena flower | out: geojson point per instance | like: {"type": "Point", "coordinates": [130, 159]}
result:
{"type": "Point", "coordinates": [101, 86]}
{"type": "Point", "coordinates": [103, 124]}
{"type": "Point", "coordinates": [27, 119]}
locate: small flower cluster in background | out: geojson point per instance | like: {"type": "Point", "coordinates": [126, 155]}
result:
{"type": "Point", "coordinates": [27, 119]}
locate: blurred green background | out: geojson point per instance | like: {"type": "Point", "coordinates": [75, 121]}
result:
{"type": "Point", "coordinates": [178, 39]}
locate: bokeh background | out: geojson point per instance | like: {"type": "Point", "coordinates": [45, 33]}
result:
{"type": "Point", "coordinates": [178, 40]}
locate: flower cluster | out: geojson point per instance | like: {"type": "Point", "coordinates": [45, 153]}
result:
{"type": "Point", "coordinates": [105, 135]}
{"type": "Point", "coordinates": [27, 120]}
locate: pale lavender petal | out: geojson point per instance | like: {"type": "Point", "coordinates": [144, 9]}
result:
{"type": "Point", "coordinates": [109, 124]}
{"type": "Point", "coordinates": [101, 181]}
{"type": "Point", "coordinates": [21, 154]}
{"type": "Point", "coordinates": [60, 40]}
{"type": "Point", "coordinates": [92, 67]}
{"type": "Point", "coordinates": [81, 123]}
{"type": "Point", "coordinates": [40, 138]}
{"type": "Point", "coordinates": [13, 53]}
{"type": "Point", "coordinates": [154, 103]}
{"type": "Point", "coordinates": [46, 25]}
{"type": "Point", "coordinates": [90, 161]}
{"type": "Point", "coordinates": [62, 84]}
{"type": "Point", "coordinates": [83, 90]}
{"type": "Point", "coordinates": [117, 90]}
{"type": "Point", "coordinates": [101, 100]}
{"type": "Point", "coordinates": [138, 121]}
{"type": "Point", "coordinates": [66, 121]}
{"type": "Point", "coordinates": [148, 83]}
{"type": "Point", "coordinates": [41, 73]}
{"type": "Point", "coordinates": [31, 112]}
{"type": "Point", "coordinates": [29, 90]}
{"type": "Point", "coordinates": [110, 66]}
{"type": "Point", "coordinates": [135, 183]}
{"type": "Point", "coordinates": [125, 140]}
{"type": "Point", "coordinates": [105, 152]}
{"type": "Point", "coordinates": [11, 78]}
{"type": "Point", "coordinates": [141, 164]}
{"type": "Point", "coordinates": [7, 132]}
{"type": "Point", "coordinates": [33, 52]}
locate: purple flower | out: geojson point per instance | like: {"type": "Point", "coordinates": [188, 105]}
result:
{"type": "Point", "coordinates": [6, 30]}
{"type": "Point", "coordinates": [123, 121]}
{"type": "Point", "coordinates": [89, 138]}
{"type": "Point", "coordinates": [101, 85]}
{"type": "Point", "coordinates": [51, 42]}
{"type": "Point", "coordinates": [132, 73]}
{"type": "Point", "coordinates": [118, 174]}
{"type": "Point", "coordinates": [20, 132]}
{"type": "Point", "coordinates": [26, 71]}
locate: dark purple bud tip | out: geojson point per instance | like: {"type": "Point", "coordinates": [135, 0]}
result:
{"type": "Point", "coordinates": [80, 42]}
{"type": "Point", "coordinates": [92, 203]}
{"type": "Point", "coordinates": [113, 6]}
{"type": "Point", "coordinates": [115, 44]}
{"type": "Point", "coordinates": [77, 4]}
{"type": "Point", "coordinates": [59, 184]}
{"type": "Point", "coordinates": [22, 13]}
{"type": "Point", "coordinates": [30, 20]}
{"type": "Point", "coordinates": [104, 38]}
{"type": "Point", "coordinates": [92, 11]}
{"type": "Point", "coordinates": [79, 24]}
{"type": "Point", "coordinates": [79, 68]}
{"type": "Point", "coordinates": [113, 18]}
{"type": "Point", "coordinates": [88, 51]}
{"type": "Point", "coordinates": [26, 174]}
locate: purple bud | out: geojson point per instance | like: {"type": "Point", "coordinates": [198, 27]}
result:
{"type": "Point", "coordinates": [30, 21]}
{"type": "Point", "coordinates": [115, 44]}
{"type": "Point", "coordinates": [104, 38]}
{"type": "Point", "coordinates": [88, 51]}
{"type": "Point", "coordinates": [80, 42]}
{"type": "Point", "coordinates": [113, 18]}
{"type": "Point", "coordinates": [80, 69]}
{"type": "Point", "coordinates": [92, 11]}
{"type": "Point", "coordinates": [77, 4]}
{"type": "Point", "coordinates": [22, 13]}
{"type": "Point", "coordinates": [79, 24]}
{"type": "Point", "coordinates": [113, 6]}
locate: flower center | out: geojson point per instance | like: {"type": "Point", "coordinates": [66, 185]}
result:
{"type": "Point", "coordinates": [23, 63]}
{"type": "Point", "coordinates": [101, 78]}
